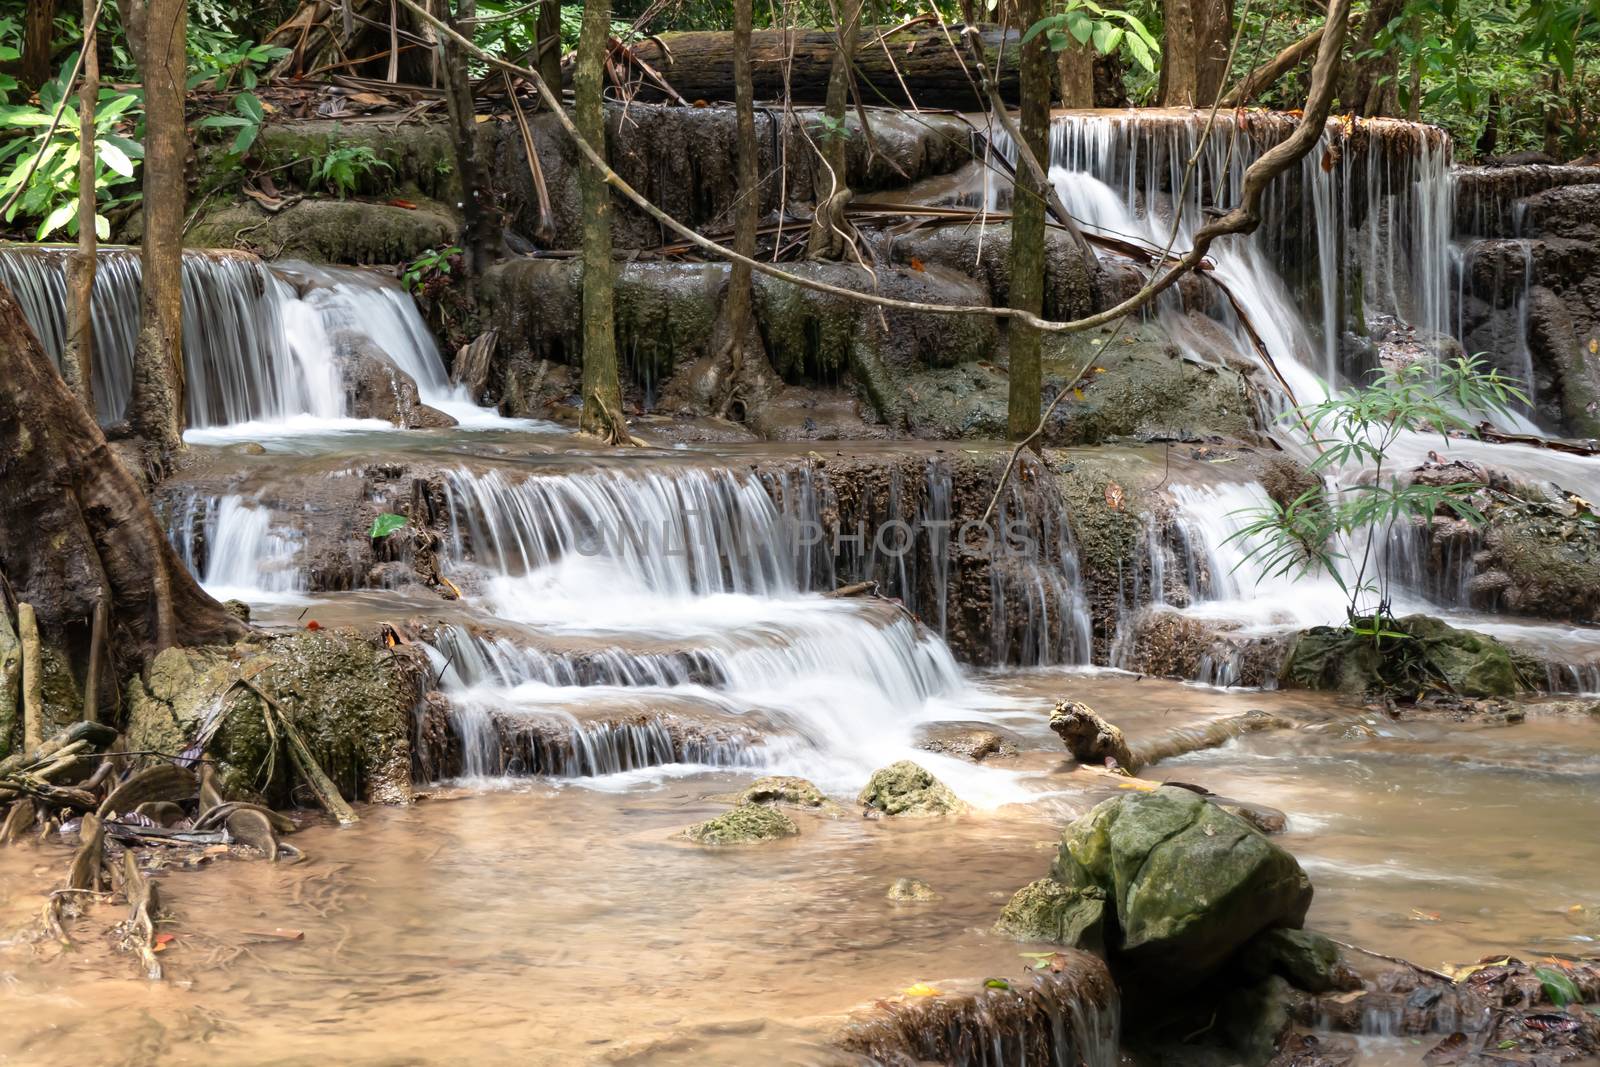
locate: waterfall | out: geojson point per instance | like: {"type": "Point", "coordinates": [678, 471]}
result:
{"type": "Point", "coordinates": [261, 342]}
{"type": "Point", "coordinates": [237, 550]}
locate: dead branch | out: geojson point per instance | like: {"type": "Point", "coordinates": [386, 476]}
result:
{"type": "Point", "coordinates": [305, 761]}
{"type": "Point", "coordinates": [1258, 80]}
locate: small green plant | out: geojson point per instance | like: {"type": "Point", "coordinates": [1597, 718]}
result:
{"type": "Point", "coordinates": [385, 524]}
{"type": "Point", "coordinates": [433, 263]}
{"type": "Point", "coordinates": [1105, 29]}
{"type": "Point", "coordinates": [219, 71]}
{"type": "Point", "coordinates": [1319, 530]}
{"type": "Point", "coordinates": [49, 187]}
{"type": "Point", "coordinates": [343, 168]}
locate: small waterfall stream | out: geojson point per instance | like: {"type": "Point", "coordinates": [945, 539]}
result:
{"type": "Point", "coordinates": [261, 342]}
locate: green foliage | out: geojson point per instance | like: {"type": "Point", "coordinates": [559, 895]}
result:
{"type": "Point", "coordinates": [343, 168]}
{"type": "Point", "coordinates": [1107, 30]}
{"type": "Point", "coordinates": [385, 524]}
{"type": "Point", "coordinates": [428, 266]}
{"type": "Point", "coordinates": [1317, 531]}
{"type": "Point", "coordinates": [51, 190]}
{"type": "Point", "coordinates": [1559, 986]}
{"type": "Point", "coordinates": [219, 71]}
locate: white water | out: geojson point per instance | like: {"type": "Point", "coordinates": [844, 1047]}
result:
{"type": "Point", "coordinates": [237, 551]}
{"type": "Point", "coordinates": [261, 342]}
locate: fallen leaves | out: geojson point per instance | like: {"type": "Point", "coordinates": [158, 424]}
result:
{"type": "Point", "coordinates": [1114, 496]}
{"type": "Point", "coordinates": [920, 989]}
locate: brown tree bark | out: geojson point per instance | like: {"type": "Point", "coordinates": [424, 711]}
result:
{"type": "Point", "coordinates": [1075, 68]}
{"type": "Point", "coordinates": [602, 389]}
{"type": "Point", "coordinates": [1195, 40]}
{"type": "Point", "coordinates": [548, 30]}
{"type": "Point", "coordinates": [700, 65]}
{"type": "Point", "coordinates": [156, 409]}
{"type": "Point", "coordinates": [75, 525]}
{"type": "Point", "coordinates": [743, 340]}
{"type": "Point", "coordinates": [479, 230]}
{"type": "Point", "coordinates": [1027, 230]}
{"type": "Point", "coordinates": [1368, 88]}
{"type": "Point", "coordinates": [34, 68]}
{"type": "Point", "coordinates": [77, 362]}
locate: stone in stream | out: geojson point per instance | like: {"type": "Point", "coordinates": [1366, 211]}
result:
{"type": "Point", "coordinates": [377, 389]}
{"type": "Point", "coordinates": [908, 790]}
{"type": "Point", "coordinates": [1183, 885]}
{"type": "Point", "coordinates": [973, 741]}
{"type": "Point", "coordinates": [1431, 655]}
{"type": "Point", "coordinates": [783, 789]}
{"type": "Point", "coordinates": [1047, 910]}
{"type": "Point", "coordinates": [911, 890]}
{"type": "Point", "coordinates": [743, 824]}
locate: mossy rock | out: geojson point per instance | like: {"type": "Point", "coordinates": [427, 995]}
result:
{"type": "Point", "coordinates": [1189, 884]}
{"type": "Point", "coordinates": [783, 789]}
{"type": "Point", "coordinates": [743, 824]}
{"type": "Point", "coordinates": [1431, 655]}
{"type": "Point", "coordinates": [908, 790]}
{"type": "Point", "coordinates": [1047, 910]}
{"type": "Point", "coordinates": [349, 696]}
{"type": "Point", "coordinates": [1308, 960]}
{"type": "Point", "coordinates": [328, 231]}
{"type": "Point", "coordinates": [911, 890]}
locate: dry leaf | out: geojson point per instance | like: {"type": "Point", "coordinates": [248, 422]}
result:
{"type": "Point", "coordinates": [916, 264]}
{"type": "Point", "coordinates": [408, 205]}
{"type": "Point", "coordinates": [921, 989]}
{"type": "Point", "coordinates": [1114, 496]}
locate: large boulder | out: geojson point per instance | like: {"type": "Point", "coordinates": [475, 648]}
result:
{"type": "Point", "coordinates": [1427, 654]}
{"type": "Point", "coordinates": [349, 696]}
{"type": "Point", "coordinates": [375, 388]}
{"type": "Point", "coordinates": [1185, 884]}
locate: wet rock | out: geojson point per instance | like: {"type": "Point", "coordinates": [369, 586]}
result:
{"type": "Point", "coordinates": [1539, 560]}
{"type": "Point", "coordinates": [744, 824]}
{"type": "Point", "coordinates": [968, 740]}
{"type": "Point", "coordinates": [377, 389]}
{"type": "Point", "coordinates": [1432, 655]}
{"type": "Point", "coordinates": [1189, 883]}
{"type": "Point", "coordinates": [906, 890]}
{"type": "Point", "coordinates": [348, 695]}
{"type": "Point", "coordinates": [783, 790]}
{"type": "Point", "coordinates": [1309, 961]}
{"type": "Point", "coordinates": [238, 609]}
{"type": "Point", "coordinates": [1047, 910]}
{"type": "Point", "coordinates": [985, 254]}
{"type": "Point", "coordinates": [1170, 644]}
{"type": "Point", "coordinates": [906, 789]}
{"type": "Point", "coordinates": [327, 231]}
{"type": "Point", "coordinates": [1088, 737]}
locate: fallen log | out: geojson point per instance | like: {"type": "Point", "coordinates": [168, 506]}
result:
{"type": "Point", "coordinates": [917, 64]}
{"type": "Point", "coordinates": [1092, 740]}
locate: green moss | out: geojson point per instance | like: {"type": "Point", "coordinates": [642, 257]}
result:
{"type": "Point", "coordinates": [906, 789]}
{"type": "Point", "coordinates": [1433, 655]}
{"type": "Point", "coordinates": [783, 790]}
{"type": "Point", "coordinates": [328, 231]}
{"type": "Point", "coordinates": [744, 824]}
{"type": "Point", "coordinates": [350, 697]}
{"type": "Point", "coordinates": [1047, 910]}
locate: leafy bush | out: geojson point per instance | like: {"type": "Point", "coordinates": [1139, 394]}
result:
{"type": "Point", "coordinates": [343, 168]}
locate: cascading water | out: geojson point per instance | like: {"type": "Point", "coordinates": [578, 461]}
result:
{"type": "Point", "coordinates": [678, 590]}
{"type": "Point", "coordinates": [237, 550]}
{"type": "Point", "coordinates": [261, 342]}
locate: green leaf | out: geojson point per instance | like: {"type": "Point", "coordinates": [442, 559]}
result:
{"type": "Point", "coordinates": [996, 983]}
{"type": "Point", "coordinates": [56, 219]}
{"type": "Point", "coordinates": [1558, 986]}
{"type": "Point", "coordinates": [1141, 54]}
{"type": "Point", "coordinates": [1081, 26]}
{"type": "Point", "coordinates": [386, 524]}
{"type": "Point", "coordinates": [115, 158]}
{"type": "Point", "coordinates": [1106, 38]}
{"type": "Point", "coordinates": [246, 138]}
{"type": "Point", "coordinates": [102, 227]}
{"type": "Point", "coordinates": [249, 106]}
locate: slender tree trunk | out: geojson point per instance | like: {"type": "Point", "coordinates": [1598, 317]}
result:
{"type": "Point", "coordinates": [1027, 229]}
{"type": "Point", "coordinates": [1195, 41]}
{"type": "Point", "coordinates": [1368, 82]}
{"type": "Point", "coordinates": [157, 407]}
{"type": "Point", "coordinates": [479, 232]}
{"type": "Point", "coordinates": [37, 32]}
{"type": "Point", "coordinates": [602, 389]}
{"type": "Point", "coordinates": [77, 362]}
{"type": "Point", "coordinates": [1075, 66]}
{"type": "Point", "coordinates": [548, 31]}
{"type": "Point", "coordinates": [828, 227]}
{"type": "Point", "coordinates": [737, 312]}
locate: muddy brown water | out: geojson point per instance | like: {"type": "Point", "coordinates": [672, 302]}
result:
{"type": "Point", "coordinates": [554, 923]}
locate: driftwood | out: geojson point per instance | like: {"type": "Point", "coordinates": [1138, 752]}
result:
{"type": "Point", "coordinates": [900, 66]}
{"type": "Point", "coordinates": [1091, 739]}
{"type": "Point", "coordinates": [88, 869]}
{"type": "Point", "coordinates": [143, 905]}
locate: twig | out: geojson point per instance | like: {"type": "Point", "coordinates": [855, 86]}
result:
{"type": "Point", "coordinates": [321, 785]}
{"type": "Point", "coordinates": [535, 170]}
{"type": "Point", "coordinates": [1419, 968]}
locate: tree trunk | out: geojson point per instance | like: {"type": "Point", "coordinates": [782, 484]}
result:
{"type": "Point", "coordinates": [37, 33]}
{"type": "Point", "coordinates": [1368, 83]}
{"type": "Point", "coordinates": [77, 362]}
{"type": "Point", "coordinates": [1027, 229]}
{"type": "Point", "coordinates": [548, 61]}
{"type": "Point", "coordinates": [157, 405]}
{"type": "Point", "coordinates": [742, 338]}
{"type": "Point", "coordinates": [1075, 67]}
{"type": "Point", "coordinates": [1195, 41]}
{"type": "Point", "coordinates": [75, 525]}
{"type": "Point", "coordinates": [602, 390]}
{"type": "Point", "coordinates": [700, 65]}
{"type": "Point", "coordinates": [829, 230]}
{"type": "Point", "coordinates": [479, 232]}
